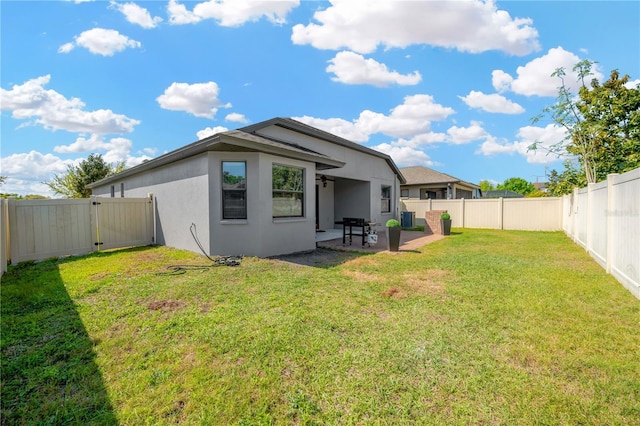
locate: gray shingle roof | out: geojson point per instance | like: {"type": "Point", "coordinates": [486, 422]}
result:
{"type": "Point", "coordinates": [419, 175]}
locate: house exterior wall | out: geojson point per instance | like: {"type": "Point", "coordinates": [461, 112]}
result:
{"type": "Point", "coordinates": [181, 193]}
{"type": "Point", "coordinates": [326, 213]}
{"type": "Point", "coordinates": [260, 234]}
{"type": "Point", "coordinates": [370, 170]}
{"type": "Point", "coordinates": [417, 192]}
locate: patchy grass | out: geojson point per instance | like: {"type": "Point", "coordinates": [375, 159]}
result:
{"type": "Point", "coordinates": [487, 327]}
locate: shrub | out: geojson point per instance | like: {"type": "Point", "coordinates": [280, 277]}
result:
{"type": "Point", "coordinates": [392, 223]}
{"type": "Point", "coordinates": [445, 216]}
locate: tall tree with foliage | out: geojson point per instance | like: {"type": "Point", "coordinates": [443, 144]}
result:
{"type": "Point", "coordinates": [73, 184]}
{"type": "Point", "coordinates": [602, 124]}
{"type": "Point", "coordinates": [517, 185]}
{"type": "Point", "coordinates": [485, 186]}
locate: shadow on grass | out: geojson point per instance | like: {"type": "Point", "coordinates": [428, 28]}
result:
{"type": "Point", "coordinates": [321, 257]}
{"type": "Point", "coordinates": [49, 373]}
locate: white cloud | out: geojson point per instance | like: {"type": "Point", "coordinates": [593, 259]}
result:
{"type": "Point", "coordinates": [236, 118]}
{"type": "Point", "coordinates": [501, 80]}
{"type": "Point", "coordinates": [55, 112]}
{"type": "Point", "coordinates": [137, 15]}
{"type": "Point", "coordinates": [632, 84]}
{"type": "Point", "coordinates": [351, 68]}
{"type": "Point", "coordinates": [468, 26]}
{"type": "Point", "coordinates": [411, 118]}
{"type": "Point", "coordinates": [404, 155]}
{"type": "Point", "coordinates": [32, 166]}
{"type": "Point", "coordinates": [210, 131]}
{"type": "Point", "coordinates": [535, 77]}
{"type": "Point", "coordinates": [115, 150]}
{"type": "Point", "coordinates": [100, 42]}
{"type": "Point", "coordinates": [462, 135]}
{"type": "Point", "coordinates": [546, 137]}
{"type": "Point", "coordinates": [199, 99]}
{"type": "Point", "coordinates": [491, 103]}
{"type": "Point", "coordinates": [231, 13]}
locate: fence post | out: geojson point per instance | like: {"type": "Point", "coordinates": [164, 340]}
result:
{"type": "Point", "coordinates": [462, 205]}
{"type": "Point", "coordinates": [576, 213]}
{"type": "Point", "coordinates": [4, 236]}
{"type": "Point", "coordinates": [590, 208]}
{"type": "Point", "coordinates": [501, 207]}
{"type": "Point", "coordinates": [610, 215]}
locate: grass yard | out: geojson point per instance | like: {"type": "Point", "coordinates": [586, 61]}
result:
{"type": "Point", "coordinates": [489, 327]}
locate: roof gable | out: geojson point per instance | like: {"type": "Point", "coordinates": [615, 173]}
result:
{"type": "Point", "coordinates": [420, 175]}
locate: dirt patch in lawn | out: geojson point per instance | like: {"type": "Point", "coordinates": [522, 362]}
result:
{"type": "Point", "coordinates": [429, 282]}
{"type": "Point", "coordinates": [319, 257]}
{"type": "Point", "coordinates": [165, 305]}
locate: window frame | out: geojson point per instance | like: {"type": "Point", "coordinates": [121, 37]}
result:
{"type": "Point", "coordinates": [224, 201]}
{"type": "Point", "coordinates": [301, 193]}
{"type": "Point", "coordinates": [385, 200]}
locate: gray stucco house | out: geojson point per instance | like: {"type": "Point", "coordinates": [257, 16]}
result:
{"type": "Point", "coordinates": [261, 190]}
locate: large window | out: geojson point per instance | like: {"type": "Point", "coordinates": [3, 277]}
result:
{"type": "Point", "coordinates": [288, 191]}
{"type": "Point", "coordinates": [234, 190]}
{"type": "Point", "coordinates": [386, 199]}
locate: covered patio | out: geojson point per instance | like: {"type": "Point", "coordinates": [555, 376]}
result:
{"type": "Point", "coordinates": [409, 241]}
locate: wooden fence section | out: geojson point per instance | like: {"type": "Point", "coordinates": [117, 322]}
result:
{"type": "Point", "coordinates": [604, 218]}
{"type": "Point", "coordinates": [527, 214]}
{"type": "Point", "coordinates": [40, 229]}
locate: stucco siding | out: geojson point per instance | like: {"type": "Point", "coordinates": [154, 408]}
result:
{"type": "Point", "coordinates": [260, 234]}
{"type": "Point", "coordinates": [181, 192]}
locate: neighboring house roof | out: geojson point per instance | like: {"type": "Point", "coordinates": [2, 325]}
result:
{"type": "Point", "coordinates": [501, 193]}
{"type": "Point", "coordinates": [247, 139]}
{"type": "Point", "coordinates": [540, 186]}
{"type": "Point", "coordinates": [420, 175]}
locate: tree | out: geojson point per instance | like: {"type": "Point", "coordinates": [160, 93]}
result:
{"type": "Point", "coordinates": [485, 186]}
{"type": "Point", "coordinates": [73, 184]}
{"type": "Point", "coordinates": [3, 179]}
{"type": "Point", "coordinates": [602, 125]}
{"type": "Point", "coordinates": [518, 185]}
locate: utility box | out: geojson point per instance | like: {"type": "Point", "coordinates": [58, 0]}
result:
{"type": "Point", "coordinates": [407, 219]}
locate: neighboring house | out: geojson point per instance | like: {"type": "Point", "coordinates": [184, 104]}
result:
{"type": "Point", "coordinates": [261, 190]}
{"type": "Point", "coordinates": [423, 183]}
{"type": "Point", "coordinates": [501, 193]}
{"type": "Point", "coordinates": [541, 186]}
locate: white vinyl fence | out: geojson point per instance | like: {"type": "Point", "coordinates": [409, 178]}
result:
{"type": "Point", "coordinates": [604, 218]}
{"type": "Point", "coordinates": [527, 214]}
{"type": "Point", "coordinates": [40, 229]}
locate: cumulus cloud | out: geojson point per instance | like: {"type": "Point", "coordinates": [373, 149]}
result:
{"type": "Point", "coordinates": [535, 78]}
{"type": "Point", "coordinates": [546, 137]}
{"type": "Point", "coordinates": [231, 13]}
{"type": "Point", "coordinates": [199, 99]}
{"type": "Point", "coordinates": [632, 84]}
{"type": "Point", "coordinates": [461, 135]}
{"type": "Point", "coordinates": [210, 131]}
{"type": "Point", "coordinates": [137, 14]}
{"type": "Point", "coordinates": [115, 149]}
{"type": "Point", "coordinates": [491, 103]}
{"type": "Point", "coordinates": [468, 26]}
{"type": "Point", "coordinates": [55, 112]}
{"type": "Point", "coordinates": [100, 42]}
{"type": "Point", "coordinates": [404, 155]}
{"type": "Point", "coordinates": [351, 68]}
{"type": "Point", "coordinates": [411, 118]}
{"type": "Point", "coordinates": [236, 118]}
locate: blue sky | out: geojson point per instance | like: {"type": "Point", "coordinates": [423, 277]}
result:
{"type": "Point", "coordinates": [448, 85]}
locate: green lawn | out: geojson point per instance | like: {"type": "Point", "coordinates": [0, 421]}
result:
{"type": "Point", "coordinates": [489, 327]}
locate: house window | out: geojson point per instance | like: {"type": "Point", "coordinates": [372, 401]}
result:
{"type": "Point", "coordinates": [425, 195]}
{"type": "Point", "coordinates": [122, 189]}
{"type": "Point", "coordinates": [234, 190]}
{"type": "Point", "coordinates": [404, 193]}
{"type": "Point", "coordinates": [386, 199]}
{"type": "Point", "coordinates": [113, 191]}
{"type": "Point", "coordinates": [288, 191]}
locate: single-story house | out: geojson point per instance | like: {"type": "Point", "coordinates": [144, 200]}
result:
{"type": "Point", "coordinates": [423, 183]}
{"type": "Point", "coordinates": [261, 190]}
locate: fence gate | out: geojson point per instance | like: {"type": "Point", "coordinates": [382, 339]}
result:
{"type": "Point", "coordinates": [40, 229]}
